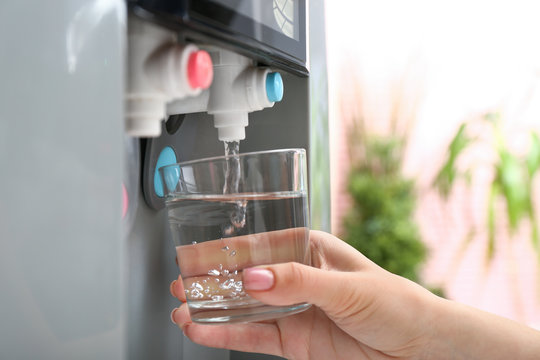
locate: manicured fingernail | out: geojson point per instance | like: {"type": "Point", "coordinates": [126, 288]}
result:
{"type": "Point", "coordinates": [172, 315]}
{"type": "Point", "coordinates": [171, 288]}
{"type": "Point", "coordinates": [258, 279]}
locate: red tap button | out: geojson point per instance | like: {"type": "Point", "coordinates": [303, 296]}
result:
{"type": "Point", "coordinates": [200, 70]}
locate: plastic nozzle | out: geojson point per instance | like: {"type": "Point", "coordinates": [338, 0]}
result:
{"type": "Point", "coordinates": [231, 126]}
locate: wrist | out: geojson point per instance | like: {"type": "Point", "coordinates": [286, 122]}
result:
{"type": "Point", "coordinates": [440, 344]}
{"type": "Point", "coordinates": [463, 332]}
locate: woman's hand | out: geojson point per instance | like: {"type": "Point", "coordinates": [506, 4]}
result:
{"type": "Point", "coordinates": [360, 310]}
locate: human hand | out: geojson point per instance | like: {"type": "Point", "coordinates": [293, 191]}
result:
{"type": "Point", "coordinates": [360, 310]}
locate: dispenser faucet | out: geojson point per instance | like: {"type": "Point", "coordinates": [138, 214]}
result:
{"type": "Point", "coordinates": [160, 70]}
{"type": "Point", "coordinates": [238, 88]}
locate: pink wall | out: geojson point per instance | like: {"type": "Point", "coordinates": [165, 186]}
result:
{"type": "Point", "coordinates": [441, 75]}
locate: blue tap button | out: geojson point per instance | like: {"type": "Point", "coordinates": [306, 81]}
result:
{"type": "Point", "coordinates": [274, 87]}
{"type": "Point", "coordinates": [166, 157]}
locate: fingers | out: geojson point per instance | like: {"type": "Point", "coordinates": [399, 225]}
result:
{"type": "Point", "coordinates": [235, 253]}
{"type": "Point", "coordinates": [293, 283]}
{"type": "Point", "coordinates": [177, 289]}
{"type": "Point", "coordinates": [332, 253]}
{"type": "Point", "coordinates": [328, 252]}
{"type": "Point", "coordinates": [250, 337]}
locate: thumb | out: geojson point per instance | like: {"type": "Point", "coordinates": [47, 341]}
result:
{"type": "Point", "coordinates": [293, 283]}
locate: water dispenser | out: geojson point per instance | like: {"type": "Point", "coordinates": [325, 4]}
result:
{"type": "Point", "coordinates": [97, 95]}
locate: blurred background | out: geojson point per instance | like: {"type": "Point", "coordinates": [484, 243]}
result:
{"type": "Point", "coordinates": [434, 115]}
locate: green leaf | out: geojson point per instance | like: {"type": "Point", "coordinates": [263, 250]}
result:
{"type": "Point", "coordinates": [514, 187]}
{"type": "Point", "coordinates": [448, 173]}
{"type": "Point", "coordinates": [493, 193]}
{"type": "Point", "coordinates": [533, 157]}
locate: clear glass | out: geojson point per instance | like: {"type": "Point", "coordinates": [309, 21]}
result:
{"type": "Point", "coordinates": [231, 212]}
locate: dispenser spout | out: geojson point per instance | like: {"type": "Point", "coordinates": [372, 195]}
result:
{"type": "Point", "coordinates": [231, 125]}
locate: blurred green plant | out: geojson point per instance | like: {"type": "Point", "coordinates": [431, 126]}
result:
{"type": "Point", "coordinates": [380, 222]}
{"type": "Point", "coordinates": [512, 181]}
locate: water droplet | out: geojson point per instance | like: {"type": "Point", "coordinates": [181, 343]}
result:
{"type": "Point", "coordinates": [232, 253]}
{"type": "Point", "coordinates": [193, 243]}
{"type": "Point", "coordinates": [213, 272]}
{"type": "Point", "coordinates": [225, 272]}
{"type": "Point", "coordinates": [217, 297]}
{"type": "Point", "coordinates": [225, 248]}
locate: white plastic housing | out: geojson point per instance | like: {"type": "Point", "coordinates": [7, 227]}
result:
{"type": "Point", "coordinates": [238, 88]}
{"type": "Point", "coordinates": [157, 74]}
{"type": "Point", "coordinates": [166, 70]}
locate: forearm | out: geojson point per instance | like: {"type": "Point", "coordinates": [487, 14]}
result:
{"type": "Point", "coordinates": [462, 332]}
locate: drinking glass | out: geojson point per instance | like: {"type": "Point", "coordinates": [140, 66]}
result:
{"type": "Point", "coordinates": [231, 212]}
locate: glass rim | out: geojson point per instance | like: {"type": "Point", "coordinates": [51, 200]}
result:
{"type": "Point", "coordinates": [241, 155]}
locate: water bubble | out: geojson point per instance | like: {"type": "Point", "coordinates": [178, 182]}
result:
{"type": "Point", "coordinates": [196, 294]}
{"type": "Point", "coordinates": [228, 284]}
{"type": "Point", "coordinates": [193, 243]}
{"type": "Point", "coordinates": [197, 286]}
{"type": "Point", "coordinates": [213, 272]}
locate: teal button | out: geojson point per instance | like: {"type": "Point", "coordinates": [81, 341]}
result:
{"type": "Point", "coordinates": [166, 157]}
{"type": "Point", "coordinates": [274, 87]}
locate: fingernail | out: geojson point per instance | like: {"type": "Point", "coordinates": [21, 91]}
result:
{"type": "Point", "coordinates": [171, 288]}
{"type": "Point", "coordinates": [172, 316]}
{"type": "Point", "coordinates": [258, 279]}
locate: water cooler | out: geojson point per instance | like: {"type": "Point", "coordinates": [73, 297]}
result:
{"type": "Point", "coordinates": [95, 95]}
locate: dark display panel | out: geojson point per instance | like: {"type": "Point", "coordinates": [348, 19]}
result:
{"type": "Point", "coordinates": [270, 31]}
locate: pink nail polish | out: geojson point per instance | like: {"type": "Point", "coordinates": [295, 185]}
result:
{"type": "Point", "coordinates": [258, 279]}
